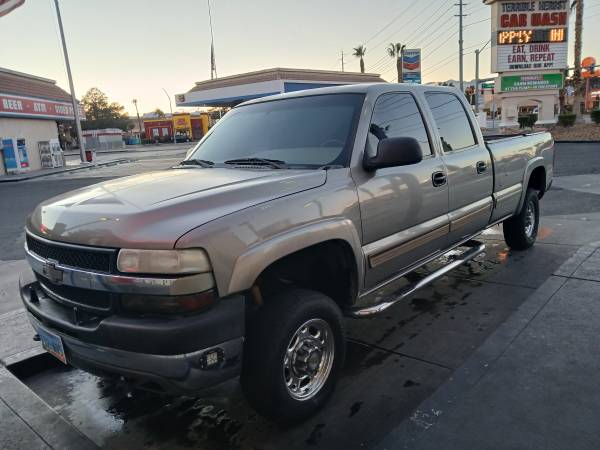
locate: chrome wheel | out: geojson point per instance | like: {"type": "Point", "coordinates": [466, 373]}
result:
{"type": "Point", "coordinates": [308, 359]}
{"type": "Point", "coordinates": [529, 220]}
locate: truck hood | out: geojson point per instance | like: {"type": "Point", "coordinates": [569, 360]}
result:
{"type": "Point", "coordinates": [153, 210]}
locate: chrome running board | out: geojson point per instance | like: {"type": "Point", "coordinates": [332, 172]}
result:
{"type": "Point", "coordinates": [476, 248]}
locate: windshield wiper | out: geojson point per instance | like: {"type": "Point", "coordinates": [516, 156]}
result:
{"type": "Point", "coordinates": [276, 163]}
{"type": "Point", "coordinates": [197, 162]}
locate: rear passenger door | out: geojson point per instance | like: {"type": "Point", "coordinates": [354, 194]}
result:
{"type": "Point", "coordinates": [469, 166]}
{"type": "Point", "coordinates": [404, 213]}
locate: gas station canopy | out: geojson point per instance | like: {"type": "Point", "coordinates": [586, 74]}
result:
{"type": "Point", "coordinates": [235, 89]}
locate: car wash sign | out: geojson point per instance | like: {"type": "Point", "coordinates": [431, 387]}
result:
{"type": "Point", "coordinates": [529, 35]}
{"type": "Point", "coordinates": [18, 106]}
{"type": "Point", "coordinates": [411, 66]}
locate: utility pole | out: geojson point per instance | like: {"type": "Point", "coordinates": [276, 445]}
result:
{"type": "Point", "coordinates": [172, 117]}
{"type": "Point", "coordinates": [342, 59]}
{"type": "Point", "coordinates": [72, 88]}
{"type": "Point", "coordinates": [460, 5]}
{"type": "Point", "coordinates": [477, 52]}
{"type": "Point", "coordinates": [213, 60]}
{"type": "Point", "coordinates": [138, 116]}
{"type": "Point", "coordinates": [477, 82]}
{"type": "Point", "coordinates": [577, 72]}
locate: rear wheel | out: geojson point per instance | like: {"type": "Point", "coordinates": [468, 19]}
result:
{"type": "Point", "coordinates": [295, 348]}
{"type": "Point", "coordinates": [520, 231]}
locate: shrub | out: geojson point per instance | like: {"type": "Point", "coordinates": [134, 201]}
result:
{"type": "Point", "coordinates": [595, 115]}
{"type": "Point", "coordinates": [523, 121]}
{"type": "Point", "coordinates": [528, 120]}
{"type": "Point", "coordinates": [566, 120]}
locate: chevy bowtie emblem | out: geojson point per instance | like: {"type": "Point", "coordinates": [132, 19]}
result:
{"type": "Point", "coordinates": [52, 273]}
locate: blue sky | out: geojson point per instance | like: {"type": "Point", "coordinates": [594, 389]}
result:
{"type": "Point", "coordinates": [134, 48]}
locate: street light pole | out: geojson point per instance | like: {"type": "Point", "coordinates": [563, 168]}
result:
{"type": "Point", "coordinates": [138, 116]}
{"type": "Point", "coordinates": [73, 99]}
{"type": "Point", "coordinates": [172, 117]}
{"type": "Point", "coordinates": [477, 52]}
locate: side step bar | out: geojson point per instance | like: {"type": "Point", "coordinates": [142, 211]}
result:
{"type": "Point", "coordinates": [476, 248]}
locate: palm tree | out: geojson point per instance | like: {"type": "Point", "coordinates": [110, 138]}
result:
{"type": "Point", "coordinates": [577, 71]}
{"type": "Point", "coordinates": [397, 51]}
{"type": "Point", "coordinates": [359, 52]}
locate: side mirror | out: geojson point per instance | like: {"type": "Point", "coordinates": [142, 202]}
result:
{"type": "Point", "coordinates": [393, 152]}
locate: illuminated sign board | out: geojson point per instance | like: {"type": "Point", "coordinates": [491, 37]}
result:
{"type": "Point", "coordinates": [529, 35]}
{"type": "Point", "coordinates": [533, 36]}
{"type": "Point", "coordinates": [512, 83]}
{"type": "Point", "coordinates": [19, 106]}
{"type": "Point", "coordinates": [411, 66]}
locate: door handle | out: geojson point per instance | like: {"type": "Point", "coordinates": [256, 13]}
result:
{"type": "Point", "coordinates": [438, 178]}
{"type": "Point", "coordinates": [481, 166]}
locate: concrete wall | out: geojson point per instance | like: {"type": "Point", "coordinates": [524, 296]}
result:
{"type": "Point", "coordinates": [33, 130]}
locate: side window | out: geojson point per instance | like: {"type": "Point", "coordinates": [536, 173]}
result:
{"type": "Point", "coordinates": [451, 120]}
{"type": "Point", "coordinates": [397, 115]}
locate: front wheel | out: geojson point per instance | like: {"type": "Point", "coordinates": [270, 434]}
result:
{"type": "Point", "coordinates": [520, 231]}
{"type": "Point", "coordinates": [295, 348]}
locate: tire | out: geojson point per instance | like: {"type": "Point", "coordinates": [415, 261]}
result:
{"type": "Point", "coordinates": [271, 333]}
{"type": "Point", "coordinates": [520, 231]}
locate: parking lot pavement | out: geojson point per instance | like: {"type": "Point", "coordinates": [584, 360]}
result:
{"type": "Point", "coordinates": [532, 384]}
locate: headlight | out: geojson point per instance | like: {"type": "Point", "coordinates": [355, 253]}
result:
{"type": "Point", "coordinates": [163, 261]}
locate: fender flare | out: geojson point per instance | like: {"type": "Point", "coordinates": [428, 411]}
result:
{"type": "Point", "coordinates": [249, 265]}
{"type": "Point", "coordinates": [533, 164]}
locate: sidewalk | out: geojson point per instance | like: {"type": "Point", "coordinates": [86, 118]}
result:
{"type": "Point", "coordinates": [532, 384]}
{"type": "Point", "coordinates": [67, 168]}
{"type": "Point", "coordinates": [27, 422]}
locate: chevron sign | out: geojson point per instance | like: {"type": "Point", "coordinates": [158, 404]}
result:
{"type": "Point", "coordinates": [411, 64]}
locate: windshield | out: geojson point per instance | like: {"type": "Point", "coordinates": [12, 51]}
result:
{"type": "Point", "coordinates": [307, 132]}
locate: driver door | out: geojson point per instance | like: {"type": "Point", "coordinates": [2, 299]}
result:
{"type": "Point", "coordinates": [404, 210]}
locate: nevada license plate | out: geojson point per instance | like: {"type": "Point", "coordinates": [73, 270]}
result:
{"type": "Point", "coordinates": [52, 344]}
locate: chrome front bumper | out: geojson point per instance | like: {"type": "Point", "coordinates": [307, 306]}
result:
{"type": "Point", "coordinates": [175, 374]}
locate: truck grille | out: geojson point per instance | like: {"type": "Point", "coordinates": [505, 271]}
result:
{"type": "Point", "coordinates": [72, 256]}
{"type": "Point", "coordinates": [72, 296]}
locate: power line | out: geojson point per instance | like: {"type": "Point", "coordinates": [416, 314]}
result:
{"type": "Point", "coordinates": [444, 61]}
{"type": "Point", "coordinates": [437, 37]}
{"type": "Point", "coordinates": [382, 62]}
{"type": "Point", "coordinates": [431, 24]}
{"type": "Point", "coordinates": [396, 17]}
{"type": "Point", "coordinates": [390, 36]}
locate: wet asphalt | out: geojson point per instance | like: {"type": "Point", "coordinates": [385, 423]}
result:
{"type": "Point", "coordinates": [394, 361]}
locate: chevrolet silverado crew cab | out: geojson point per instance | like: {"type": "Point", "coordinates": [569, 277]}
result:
{"type": "Point", "coordinates": [293, 211]}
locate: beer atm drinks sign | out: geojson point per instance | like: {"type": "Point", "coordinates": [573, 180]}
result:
{"type": "Point", "coordinates": [529, 35]}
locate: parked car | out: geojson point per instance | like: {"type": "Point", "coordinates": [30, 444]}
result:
{"type": "Point", "coordinates": [293, 211]}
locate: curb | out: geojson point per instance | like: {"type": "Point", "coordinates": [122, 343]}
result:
{"type": "Point", "coordinates": [426, 415]}
{"type": "Point", "coordinates": [71, 169]}
{"type": "Point", "coordinates": [33, 422]}
{"type": "Point", "coordinates": [134, 150]}
{"type": "Point", "coordinates": [577, 142]}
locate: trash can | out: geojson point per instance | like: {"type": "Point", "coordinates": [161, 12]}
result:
{"type": "Point", "coordinates": [89, 156]}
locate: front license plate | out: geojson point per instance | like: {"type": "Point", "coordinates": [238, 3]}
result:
{"type": "Point", "coordinates": [52, 344]}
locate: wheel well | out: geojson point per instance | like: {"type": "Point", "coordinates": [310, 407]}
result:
{"type": "Point", "coordinates": [328, 267]}
{"type": "Point", "coordinates": [537, 180]}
